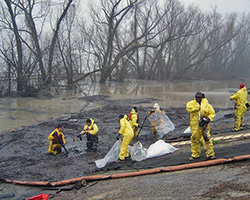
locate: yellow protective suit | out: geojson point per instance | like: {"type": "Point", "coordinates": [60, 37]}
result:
{"type": "Point", "coordinates": [92, 137]}
{"type": "Point", "coordinates": [198, 111]}
{"type": "Point", "coordinates": [134, 122]}
{"type": "Point", "coordinates": [152, 123]}
{"type": "Point", "coordinates": [240, 108]}
{"type": "Point", "coordinates": [127, 135]}
{"type": "Point", "coordinates": [55, 147]}
{"type": "Point", "coordinates": [92, 129]}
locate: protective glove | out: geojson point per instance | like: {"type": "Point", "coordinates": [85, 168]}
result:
{"type": "Point", "coordinates": [54, 134]}
{"type": "Point", "coordinates": [204, 122]}
{"type": "Point", "coordinates": [139, 126]}
{"type": "Point", "coordinates": [63, 145]}
{"type": "Point", "coordinates": [80, 137]}
{"type": "Point", "coordinates": [247, 105]}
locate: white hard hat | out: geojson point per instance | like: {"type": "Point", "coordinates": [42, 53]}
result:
{"type": "Point", "coordinates": [156, 106]}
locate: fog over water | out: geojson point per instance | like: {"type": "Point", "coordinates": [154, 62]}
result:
{"type": "Point", "coordinates": [17, 112]}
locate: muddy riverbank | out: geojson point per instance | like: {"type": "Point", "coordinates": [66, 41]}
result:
{"type": "Point", "coordinates": [24, 151]}
{"type": "Point", "coordinates": [27, 147]}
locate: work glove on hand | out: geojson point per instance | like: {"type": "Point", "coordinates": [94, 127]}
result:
{"type": "Point", "coordinates": [204, 122]}
{"type": "Point", "coordinates": [139, 126]}
{"type": "Point", "coordinates": [80, 137]}
{"type": "Point", "coordinates": [247, 105]}
{"type": "Point", "coordinates": [63, 145]}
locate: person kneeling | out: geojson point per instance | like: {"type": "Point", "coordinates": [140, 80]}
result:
{"type": "Point", "coordinates": [56, 138]}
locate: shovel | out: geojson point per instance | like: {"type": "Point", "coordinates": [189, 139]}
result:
{"type": "Point", "coordinates": [142, 125]}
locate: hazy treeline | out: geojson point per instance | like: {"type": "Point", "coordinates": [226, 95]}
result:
{"type": "Point", "coordinates": [46, 42]}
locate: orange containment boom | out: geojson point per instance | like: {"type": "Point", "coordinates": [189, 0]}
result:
{"type": "Point", "coordinates": [131, 174]}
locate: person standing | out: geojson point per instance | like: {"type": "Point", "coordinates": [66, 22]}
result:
{"type": "Point", "coordinates": [240, 107]}
{"type": "Point", "coordinates": [156, 108]}
{"type": "Point", "coordinates": [127, 135]}
{"type": "Point", "coordinates": [134, 120]}
{"type": "Point", "coordinates": [201, 114]}
{"type": "Point", "coordinates": [56, 138]}
{"type": "Point", "coordinates": [91, 130]}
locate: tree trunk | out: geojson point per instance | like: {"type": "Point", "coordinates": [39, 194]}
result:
{"type": "Point", "coordinates": [53, 43]}
{"type": "Point", "coordinates": [19, 67]}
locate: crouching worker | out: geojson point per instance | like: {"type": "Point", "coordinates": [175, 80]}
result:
{"type": "Point", "coordinates": [91, 130]}
{"type": "Point", "coordinates": [57, 140]}
{"type": "Point", "coordinates": [127, 135]}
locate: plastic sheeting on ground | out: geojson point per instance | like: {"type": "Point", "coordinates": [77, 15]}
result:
{"type": "Point", "coordinates": [111, 156]}
{"type": "Point", "coordinates": [161, 122]}
{"type": "Point", "coordinates": [137, 152]}
{"type": "Point", "coordinates": [159, 148]}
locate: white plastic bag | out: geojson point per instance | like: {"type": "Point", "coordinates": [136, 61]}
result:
{"type": "Point", "coordinates": [161, 122]}
{"type": "Point", "coordinates": [160, 148]}
{"type": "Point", "coordinates": [111, 156]}
{"type": "Point", "coordinates": [138, 152]}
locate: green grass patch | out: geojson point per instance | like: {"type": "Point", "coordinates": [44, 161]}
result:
{"type": "Point", "coordinates": [135, 170]}
{"type": "Point", "coordinates": [214, 142]}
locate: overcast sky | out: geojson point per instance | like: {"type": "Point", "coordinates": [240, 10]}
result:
{"type": "Point", "coordinates": [223, 6]}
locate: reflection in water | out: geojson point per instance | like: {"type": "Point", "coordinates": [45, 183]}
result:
{"type": "Point", "coordinates": [174, 93]}
{"type": "Point", "coordinates": [16, 112]}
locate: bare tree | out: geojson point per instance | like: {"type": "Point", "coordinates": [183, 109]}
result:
{"type": "Point", "coordinates": [27, 6]}
{"type": "Point", "coordinates": [54, 39]}
{"type": "Point", "coordinates": [65, 46]}
{"type": "Point", "coordinates": [195, 49]}
{"type": "Point", "coordinates": [30, 52]}
{"type": "Point", "coordinates": [19, 64]}
{"type": "Point", "coordinates": [135, 38]}
{"type": "Point", "coordinates": [231, 59]}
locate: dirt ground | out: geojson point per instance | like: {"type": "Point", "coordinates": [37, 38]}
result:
{"type": "Point", "coordinates": [24, 156]}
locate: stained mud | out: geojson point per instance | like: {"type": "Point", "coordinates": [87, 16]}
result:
{"type": "Point", "coordinates": [24, 151]}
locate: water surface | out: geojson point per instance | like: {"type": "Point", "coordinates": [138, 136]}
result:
{"type": "Point", "coordinates": [17, 112]}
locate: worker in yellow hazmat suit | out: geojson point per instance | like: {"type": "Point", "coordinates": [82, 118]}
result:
{"type": "Point", "coordinates": [134, 120]}
{"type": "Point", "coordinates": [201, 114]}
{"type": "Point", "coordinates": [127, 135]}
{"type": "Point", "coordinates": [56, 138]}
{"type": "Point", "coordinates": [240, 107]}
{"type": "Point", "coordinates": [156, 108]}
{"type": "Point", "coordinates": [91, 130]}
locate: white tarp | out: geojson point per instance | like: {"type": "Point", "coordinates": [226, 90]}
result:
{"type": "Point", "coordinates": [137, 152]}
{"type": "Point", "coordinates": [159, 148]}
{"type": "Point", "coordinates": [161, 122]}
{"type": "Point", "coordinates": [111, 156]}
